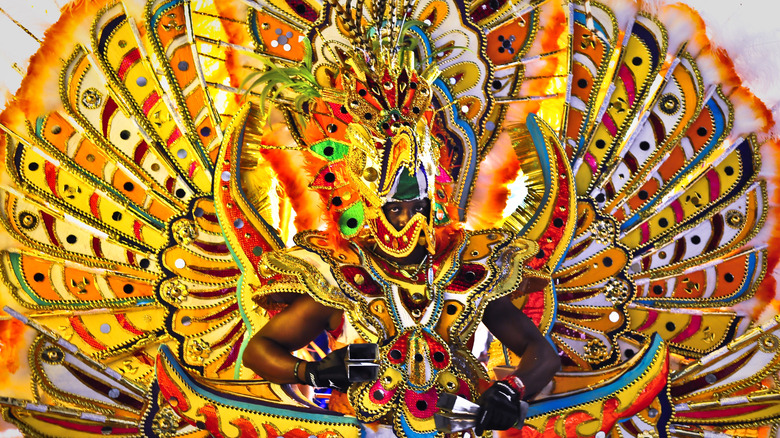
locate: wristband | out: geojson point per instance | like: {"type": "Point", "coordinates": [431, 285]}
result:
{"type": "Point", "coordinates": [295, 371]}
{"type": "Point", "coordinates": [515, 383]}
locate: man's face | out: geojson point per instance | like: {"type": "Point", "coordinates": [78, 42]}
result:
{"type": "Point", "coordinates": [399, 213]}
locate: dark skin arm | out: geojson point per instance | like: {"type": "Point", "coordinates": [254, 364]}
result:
{"type": "Point", "coordinates": [539, 361]}
{"type": "Point", "coordinates": [268, 352]}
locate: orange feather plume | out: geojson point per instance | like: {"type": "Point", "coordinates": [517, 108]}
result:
{"type": "Point", "coordinates": [499, 168]}
{"type": "Point", "coordinates": [295, 181]}
{"type": "Point", "coordinates": [39, 91]}
{"type": "Point", "coordinates": [766, 295]}
{"type": "Point", "coordinates": [11, 343]}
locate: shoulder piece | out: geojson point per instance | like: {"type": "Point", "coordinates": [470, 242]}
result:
{"type": "Point", "coordinates": [314, 268]}
{"type": "Point", "coordinates": [487, 265]}
{"type": "Point", "coordinates": [502, 253]}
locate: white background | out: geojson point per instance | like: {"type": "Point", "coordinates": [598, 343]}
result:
{"type": "Point", "coordinates": [749, 30]}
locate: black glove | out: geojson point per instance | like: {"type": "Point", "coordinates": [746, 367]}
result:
{"type": "Point", "coordinates": [500, 407]}
{"type": "Point", "coordinates": [353, 363]}
{"type": "Point", "coordinates": [330, 372]}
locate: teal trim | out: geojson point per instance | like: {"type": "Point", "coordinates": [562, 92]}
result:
{"type": "Point", "coordinates": [15, 263]}
{"type": "Point", "coordinates": [505, 352]}
{"type": "Point", "coordinates": [470, 167]}
{"type": "Point", "coordinates": [160, 10]}
{"type": "Point", "coordinates": [552, 404]}
{"type": "Point", "coordinates": [544, 159]}
{"type": "Point", "coordinates": [410, 433]}
{"type": "Point", "coordinates": [39, 126]}
{"type": "Point", "coordinates": [249, 404]}
{"type": "Point", "coordinates": [241, 310]}
{"type": "Point", "coordinates": [554, 318]}
{"type": "Point", "coordinates": [245, 341]}
{"type": "Point", "coordinates": [580, 17]}
{"type": "Point", "coordinates": [253, 26]}
{"type": "Point", "coordinates": [244, 317]}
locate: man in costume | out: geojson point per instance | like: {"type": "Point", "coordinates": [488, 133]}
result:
{"type": "Point", "coordinates": [420, 351]}
{"type": "Point", "coordinates": [153, 218]}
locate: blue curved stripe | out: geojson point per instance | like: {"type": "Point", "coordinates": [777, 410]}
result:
{"type": "Point", "coordinates": [544, 158]}
{"type": "Point", "coordinates": [726, 301]}
{"type": "Point", "coordinates": [255, 405]}
{"type": "Point", "coordinates": [411, 433]}
{"type": "Point", "coordinates": [423, 39]}
{"type": "Point", "coordinates": [581, 18]}
{"type": "Point", "coordinates": [253, 27]}
{"type": "Point", "coordinates": [472, 137]}
{"type": "Point", "coordinates": [719, 121]}
{"type": "Point", "coordinates": [550, 405]}
{"type": "Point", "coordinates": [160, 10]}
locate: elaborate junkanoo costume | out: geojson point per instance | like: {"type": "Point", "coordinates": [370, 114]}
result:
{"type": "Point", "coordinates": [183, 171]}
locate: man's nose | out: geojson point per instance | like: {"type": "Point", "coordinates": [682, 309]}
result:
{"type": "Point", "coordinates": [404, 216]}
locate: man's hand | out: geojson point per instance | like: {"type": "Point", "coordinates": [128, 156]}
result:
{"type": "Point", "coordinates": [500, 407]}
{"type": "Point", "coordinates": [330, 372]}
{"type": "Point", "coordinates": [333, 371]}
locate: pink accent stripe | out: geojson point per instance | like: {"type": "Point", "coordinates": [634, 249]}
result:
{"type": "Point", "coordinates": [609, 123]}
{"type": "Point", "coordinates": [714, 179]}
{"type": "Point", "coordinates": [131, 58]}
{"type": "Point", "coordinates": [174, 136]}
{"type": "Point", "coordinates": [591, 161]}
{"type": "Point", "coordinates": [193, 166]}
{"type": "Point", "coordinates": [689, 331]}
{"type": "Point", "coordinates": [443, 177]}
{"type": "Point", "coordinates": [85, 427]}
{"type": "Point", "coordinates": [645, 230]}
{"type": "Point", "coordinates": [629, 83]}
{"type": "Point", "coordinates": [651, 317]}
{"type": "Point", "coordinates": [722, 413]}
{"type": "Point", "coordinates": [150, 102]}
{"type": "Point", "coordinates": [678, 211]}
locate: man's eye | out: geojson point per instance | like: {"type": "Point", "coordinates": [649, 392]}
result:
{"type": "Point", "coordinates": [394, 209]}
